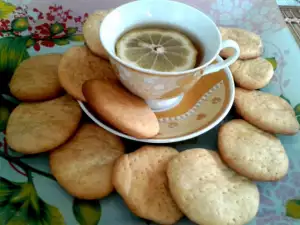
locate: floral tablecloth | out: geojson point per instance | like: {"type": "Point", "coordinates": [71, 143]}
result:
{"type": "Point", "coordinates": [29, 193]}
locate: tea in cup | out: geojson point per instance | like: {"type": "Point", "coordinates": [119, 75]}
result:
{"type": "Point", "coordinates": [160, 49]}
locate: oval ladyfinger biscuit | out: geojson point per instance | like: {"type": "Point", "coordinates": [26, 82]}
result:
{"type": "Point", "coordinates": [39, 127]}
{"type": "Point", "coordinates": [252, 74]}
{"type": "Point", "coordinates": [252, 152]}
{"type": "Point", "coordinates": [78, 65]}
{"type": "Point", "coordinates": [36, 78]}
{"type": "Point", "coordinates": [125, 111]}
{"type": "Point", "coordinates": [209, 192]}
{"type": "Point", "coordinates": [268, 112]}
{"type": "Point", "coordinates": [91, 29]}
{"type": "Point", "coordinates": [83, 166]}
{"type": "Point", "coordinates": [250, 44]}
{"type": "Point", "coordinates": [140, 178]}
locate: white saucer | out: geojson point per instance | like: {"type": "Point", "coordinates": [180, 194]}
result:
{"type": "Point", "coordinates": [201, 109]}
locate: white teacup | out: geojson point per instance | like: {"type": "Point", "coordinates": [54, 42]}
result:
{"type": "Point", "coordinates": [164, 90]}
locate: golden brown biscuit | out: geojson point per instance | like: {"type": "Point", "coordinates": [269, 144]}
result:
{"type": "Point", "coordinates": [140, 178]}
{"type": "Point", "coordinates": [83, 166]}
{"type": "Point", "coordinates": [252, 74]}
{"type": "Point", "coordinates": [39, 127]}
{"type": "Point", "coordinates": [78, 65]}
{"type": "Point", "coordinates": [251, 45]}
{"type": "Point", "coordinates": [268, 112]}
{"type": "Point", "coordinates": [36, 78]}
{"type": "Point", "coordinates": [210, 193]}
{"type": "Point", "coordinates": [252, 152]}
{"type": "Point", "coordinates": [125, 111]}
{"type": "Point", "coordinates": [91, 29]}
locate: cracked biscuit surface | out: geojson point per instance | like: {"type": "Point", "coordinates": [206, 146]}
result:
{"type": "Point", "coordinates": [208, 192]}
{"type": "Point", "coordinates": [39, 127]}
{"type": "Point", "coordinates": [252, 152]}
{"type": "Point", "coordinates": [36, 78]}
{"type": "Point", "coordinates": [266, 111]}
{"type": "Point", "coordinates": [84, 165]}
{"type": "Point", "coordinates": [140, 178]}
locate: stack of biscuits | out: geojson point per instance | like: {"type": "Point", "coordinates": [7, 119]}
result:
{"type": "Point", "coordinates": [157, 183]}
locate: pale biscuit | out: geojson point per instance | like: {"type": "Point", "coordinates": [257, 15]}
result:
{"type": "Point", "coordinates": [250, 44]}
{"type": "Point", "coordinates": [83, 166]}
{"type": "Point", "coordinates": [91, 29]}
{"type": "Point", "coordinates": [268, 112]}
{"type": "Point", "coordinates": [78, 65]}
{"type": "Point", "coordinates": [125, 111]}
{"type": "Point", "coordinates": [252, 74]}
{"type": "Point", "coordinates": [36, 78]}
{"type": "Point", "coordinates": [39, 127]}
{"type": "Point", "coordinates": [210, 193]}
{"type": "Point", "coordinates": [140, 178]}
{"type": "Point", "coordinates": [252, 152]}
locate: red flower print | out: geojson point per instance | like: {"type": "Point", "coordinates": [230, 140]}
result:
{"type": "Point", "coordinates": [48, 44]}
{"type": "Point", "coordinates": [4, 25]}
{"type": "Point", "coordinates": [37, 47]}
{"type": "Point", "coordinates": [55, 26]}
{"type": "Point", "coordinates": [50, 17]}
{"type": "Point", "coordinates": [77, 19]}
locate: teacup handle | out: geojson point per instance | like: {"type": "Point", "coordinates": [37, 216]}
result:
{"type": "Point", "coordinates": [227, 62]}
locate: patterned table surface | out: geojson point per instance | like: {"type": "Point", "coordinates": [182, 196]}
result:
{"type": "Point", "coordinates": [291, 15]}
{"type": "Point", "coordinates": [26, 180]}
{"type": "Point", "coordinates": [288, 2]}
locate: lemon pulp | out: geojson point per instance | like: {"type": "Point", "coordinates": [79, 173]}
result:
{"type": "Point", "coordinates": [157, 49]}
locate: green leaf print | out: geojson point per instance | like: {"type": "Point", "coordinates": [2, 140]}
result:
{"type": "Point", "coordinates": [20, 24]}
{"type": "Point", "coordinates": [293, 208]}
{"type": "Point", "coordinates": [4, 115]}
{"type": "Point", "coordinates": [87, 212]}
{"type": "Point", "coordinates": [285, 98]}
{"type": "Point", "coordinates": [77, 37]}
{"type": "Point", "coordinates": [61, 42]}
{"type": "Point", "coordinates": [30, 42]}
{"type": "Point", "coordinates": [12, 52]}
{"type": "Point", "coordinates": [56, 28]}
{"type": "Point", "coordinates": [72, 30]}
{"type": "Point", "coordinates": [20, 204]}
{"type": "Point", "coordinates": [297, 112]}
{"type": "Point", "coordinates": [11, 99]}
{"type": "Point", "coordinates": [273, 62]}
{"type": "Point", "coordinates": [6, 9]}
{"type": "Point", "coordinates": [297, 109]}
{"type": "Point", "coordinates": [7, 104]}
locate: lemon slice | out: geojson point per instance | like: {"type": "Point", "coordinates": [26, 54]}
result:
{"type": "Point", "coordinates": [157, 49]}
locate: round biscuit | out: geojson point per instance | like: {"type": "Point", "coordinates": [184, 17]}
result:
{"type": "Point", "coordinates": [36, 78]}
{"type": "Point", "coordinates": [91, 29]}
{"type": "Point", "coordinates": [208, 192]}
{"type": "Point", "coordinates": [78, 65]}
{"type": "Point", "coordinates": [250, 44]}
{"type": "Point", "coordinates": [117, 106]}
{"type": "Point", "coordinates": [83, 166]}
{"type": "Point", "coordinates": [39, 127]}
{"type": "Point", "coordinates": [252, 152]}
{"type": "Point", "coordinates": [266, 111]}
{"type": "Point", "coordinates": [140, 178]}
{"type": "Point", "coordinates": [252, 74]}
